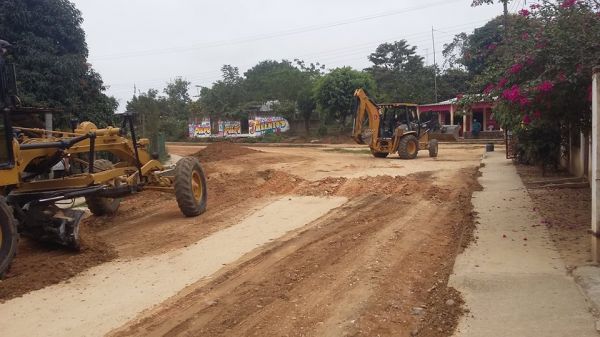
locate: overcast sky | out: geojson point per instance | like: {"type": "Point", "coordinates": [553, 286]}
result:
{"type": "Point", "coordinates": [149, 42]}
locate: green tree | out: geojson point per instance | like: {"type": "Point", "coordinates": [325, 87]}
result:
{"type": "Point", "coordinates": [401, 74]}
{"type": "Point", "coordinates": [273, 80]}
{"type": "Point", "coordinates": [542, 75]}
{"type": "Point", "coordinates": [453, 82]}
{"type": "Point", "coordinates": [168, 114]}
{"type": "Point", "coordinates": [226, 96]}
{"type": "Point", "coordinates": [51, 57]}
{"type": "Point", "coordinates": [307, 105]}
{"type": "Point", "coordinates": [334, 91]}
{"type": "Point", "coordinates": [178, 98]}
{"type": "Point", "coordinates": [148, 108]}
{"type": "Point", "coordinates": [396, 56]}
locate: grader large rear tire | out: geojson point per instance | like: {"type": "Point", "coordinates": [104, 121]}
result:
{"type": "Point", "coordinates": [100, 206]}
{"type": "Point", "coordinates": [9, 237]}
{"type": "Point", "coordinates": [408, 147]}
{"type": "Point", "coordinates": [190, 187]}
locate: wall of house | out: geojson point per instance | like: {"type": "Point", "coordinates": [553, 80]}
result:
{"type": "Point", "coordinates": [574, 162]}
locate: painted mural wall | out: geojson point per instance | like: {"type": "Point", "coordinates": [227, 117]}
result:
{"type": "Point", "coordinates": [261, 126]}
{"type": "Point", "coordinates": [257, 127]}
{"type": "Point", "coordinates": [200, 130]}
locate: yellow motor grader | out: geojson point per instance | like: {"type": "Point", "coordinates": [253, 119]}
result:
{"type": "Point", "coordinates": [394, 127]}
{"type": "Point", "coordinates": [32, 197]}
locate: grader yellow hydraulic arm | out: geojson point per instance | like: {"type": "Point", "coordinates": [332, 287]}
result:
{"type": "Point", "coordinates": [32, 202]}
{"type": "Point", "coordinates": [394, 127]}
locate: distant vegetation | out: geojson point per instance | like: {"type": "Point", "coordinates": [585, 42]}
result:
{"type": "Point", "coordinates": [537, 64]}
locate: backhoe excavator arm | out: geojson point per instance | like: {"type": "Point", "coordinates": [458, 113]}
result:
{"type": "Point", "coordinates": [365, 108]}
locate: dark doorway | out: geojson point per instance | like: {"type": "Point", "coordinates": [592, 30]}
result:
{"type": "Point", "coordinates": [446, 117]}
{"type": "Point", "coordinates": [245, 126]}
{"type": "Point", "coordinates": [478, 115]}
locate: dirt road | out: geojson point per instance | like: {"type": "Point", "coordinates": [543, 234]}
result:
{"type": "Point", "coordinates": [296, 242]}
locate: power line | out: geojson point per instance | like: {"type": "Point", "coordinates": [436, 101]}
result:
{"type": "Point", "coordinates": [319, 56]}
{"type": "Point", "coordinates": [259, 37]}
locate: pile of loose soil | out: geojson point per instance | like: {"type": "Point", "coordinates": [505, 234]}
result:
{"type": "Point", "coordinates": [222, 151]}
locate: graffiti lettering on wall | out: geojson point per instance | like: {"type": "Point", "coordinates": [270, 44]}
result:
{"type": "Point", "coordinates": [261, 126]}
{"type": "Point", "coordinates": [200, 130]}
{"type": "Point", "coordinates": [229, 128]}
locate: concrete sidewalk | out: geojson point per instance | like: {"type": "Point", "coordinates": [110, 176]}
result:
{"type": "Point", "coordinates": [513, 279]}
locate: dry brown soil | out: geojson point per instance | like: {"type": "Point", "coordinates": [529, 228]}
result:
{"type": "Point", "coordinates": [566, 212]}
{"type": "Point", "coordinates": [378, 265]}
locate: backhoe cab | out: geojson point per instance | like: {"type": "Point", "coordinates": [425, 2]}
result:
{"type": "Point", "coordinates": [394, 127]}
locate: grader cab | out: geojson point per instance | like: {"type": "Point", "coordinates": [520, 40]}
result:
{"type": "Point", "coordinates": [32, 198]}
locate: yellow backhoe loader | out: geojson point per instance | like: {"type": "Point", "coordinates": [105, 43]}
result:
{"type": "Point", "coordinates": [32, 197]}
{"type": "Point", "coordinates": [394, 127]}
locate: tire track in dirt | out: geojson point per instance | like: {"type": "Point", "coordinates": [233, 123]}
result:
{"type": "Point", "coordinates": [360, 271]}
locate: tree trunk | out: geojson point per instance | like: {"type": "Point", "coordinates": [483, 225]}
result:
{"type": "Point", "coordinates": [307, 125]}
{"type": "Point", "coordinates": [344, 123]}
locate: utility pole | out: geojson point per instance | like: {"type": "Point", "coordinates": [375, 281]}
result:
{"type": "Point", "coordinates": [505, 4]}
{"type": "Point", "coordinates": [596, 165]}
{"type": "Point", "coordinates": [434, 67]}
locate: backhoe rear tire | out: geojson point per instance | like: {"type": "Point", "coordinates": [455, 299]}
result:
{"type": "Point", "coordinates": [432, 146]}
{"type": "Point", "coordinates": [408, 147]}
{"type": "Point", "coordinates": [9, 237]}
{"type": "Point", "coordinates": [190, 186]}
{"type": "Point", "coordinates": [100, 206]}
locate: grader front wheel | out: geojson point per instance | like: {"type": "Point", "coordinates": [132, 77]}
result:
{"type": "Point", "coordinates": [190, 186]}
{"type": "Point", "coordinates": [8, 237]}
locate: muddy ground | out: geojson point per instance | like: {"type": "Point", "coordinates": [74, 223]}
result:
{"type": "Point", "coordinates": [377, 265]}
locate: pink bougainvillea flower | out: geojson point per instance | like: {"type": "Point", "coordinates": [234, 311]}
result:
{"type": "Point", "coordinates": [537, 114]}
{"type": "Point", "coordinates": [516, 68]}
{"type": "Point", "coordinates": [492, 46]}
{"type": "Point", "coordinates": [568, 3]}
{"type": "Point", "coordinates": [526, 120]}
{"type": "Point", "coordinates": [524, 12]}
{"type": "Point", "coordinates": [529, 60]}
{"type": "Point", "coordinates": [561, 77]}
{"type": "Point", "coordinates": [502, 82]}
{"type": "Point", "coordinates": [535, 6]}
{"type": "Point", "coordinates": [523, 101]}
{"type": "Point", "coordinates": [525, 36]}
{"type": "Point", "coordinates": [513, 94]}
{"type": "Point", "coordinates": [545, 86]}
